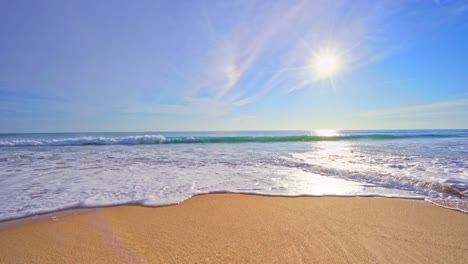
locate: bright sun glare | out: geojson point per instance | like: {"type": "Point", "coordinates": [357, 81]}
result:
{"type": "Point", "coordinates": [326, 64]}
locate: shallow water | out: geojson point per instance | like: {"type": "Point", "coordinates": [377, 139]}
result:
{"type": "Point", "coordinates": [47, 172]}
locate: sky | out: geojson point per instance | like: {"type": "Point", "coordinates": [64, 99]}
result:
{"type": "Point", "coordinates": [213, 65]}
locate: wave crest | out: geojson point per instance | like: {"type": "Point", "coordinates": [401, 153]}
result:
{"type": "Point", "coordinates": [83, 141]}
{"type": "Point", "coordinates": [160, 139]}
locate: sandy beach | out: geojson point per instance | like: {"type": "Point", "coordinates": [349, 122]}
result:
{"type": "Point", "coordinates": [239, 228]}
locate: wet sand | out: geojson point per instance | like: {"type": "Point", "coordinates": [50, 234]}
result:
{"type": "Point", "coordinates": [239, 228]}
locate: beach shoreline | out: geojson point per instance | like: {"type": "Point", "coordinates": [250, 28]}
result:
{"type": "Point", "coordinates": [245, 228]}
{"type": "Point", "coordinates": [51, 215]}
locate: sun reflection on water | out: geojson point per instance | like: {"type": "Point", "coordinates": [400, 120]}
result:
{"type": "Point", "coordinates": [325, 133]}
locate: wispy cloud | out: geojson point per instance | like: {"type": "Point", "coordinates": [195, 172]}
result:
{"type": "Point", "coordinates": [235, 55]}
{"type": "Point", "coordinates": [25, 95]}
{"type": "Point", "coordinates": [192, 107]}
{"type": "Point", "coordinates": [423, 109]}
{"type": "Point", "coordinates": [256, 58]}
{"type": "Point", "coordinates": [460, 9]}
{"type": "Point", "coordinates": [269, 48]}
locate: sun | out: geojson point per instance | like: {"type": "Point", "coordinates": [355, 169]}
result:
{"type": "Point", "coordinates": [326, 64]}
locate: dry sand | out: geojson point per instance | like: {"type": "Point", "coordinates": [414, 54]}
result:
{"type": "Point", "coordinates": [247, 229]}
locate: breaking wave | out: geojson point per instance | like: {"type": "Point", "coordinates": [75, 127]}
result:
{"type": "Point", "coordinates": [160, 139]}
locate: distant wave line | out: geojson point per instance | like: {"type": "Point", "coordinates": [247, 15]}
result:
{"type": "Point", "coordinates": [160, 139]}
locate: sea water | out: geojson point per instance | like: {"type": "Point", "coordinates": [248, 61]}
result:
{"type": "Point", "coordinates": [47, 172]}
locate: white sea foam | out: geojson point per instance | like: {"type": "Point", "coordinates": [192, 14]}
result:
{"type": "Point", "coordinates": [43, 179]}
{"type": "Point", "coordinates": [81, 141]}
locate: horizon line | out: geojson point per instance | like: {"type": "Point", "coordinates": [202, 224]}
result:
{"type": "Point", "coordinates": [254, 130]}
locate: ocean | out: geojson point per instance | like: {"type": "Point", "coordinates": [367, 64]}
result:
{"type": "Point", "coordinates": [42, 173]}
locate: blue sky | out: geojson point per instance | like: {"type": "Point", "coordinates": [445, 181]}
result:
{"type": "Point", "coordinates": [231, 65]}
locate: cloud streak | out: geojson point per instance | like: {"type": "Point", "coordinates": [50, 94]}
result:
{"type": "Point", "coordinates": [423, 109]}
{"type": "Point", "coordinates": [265, 49]}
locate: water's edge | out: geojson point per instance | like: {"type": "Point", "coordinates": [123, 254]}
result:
{"type": "Point", "coordinates": [12, 222]}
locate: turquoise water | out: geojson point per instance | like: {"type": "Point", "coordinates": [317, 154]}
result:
{"type": "Point", "coordinates": [82, 139]}
{"type": "Point", "coordinates": [47, 172]}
